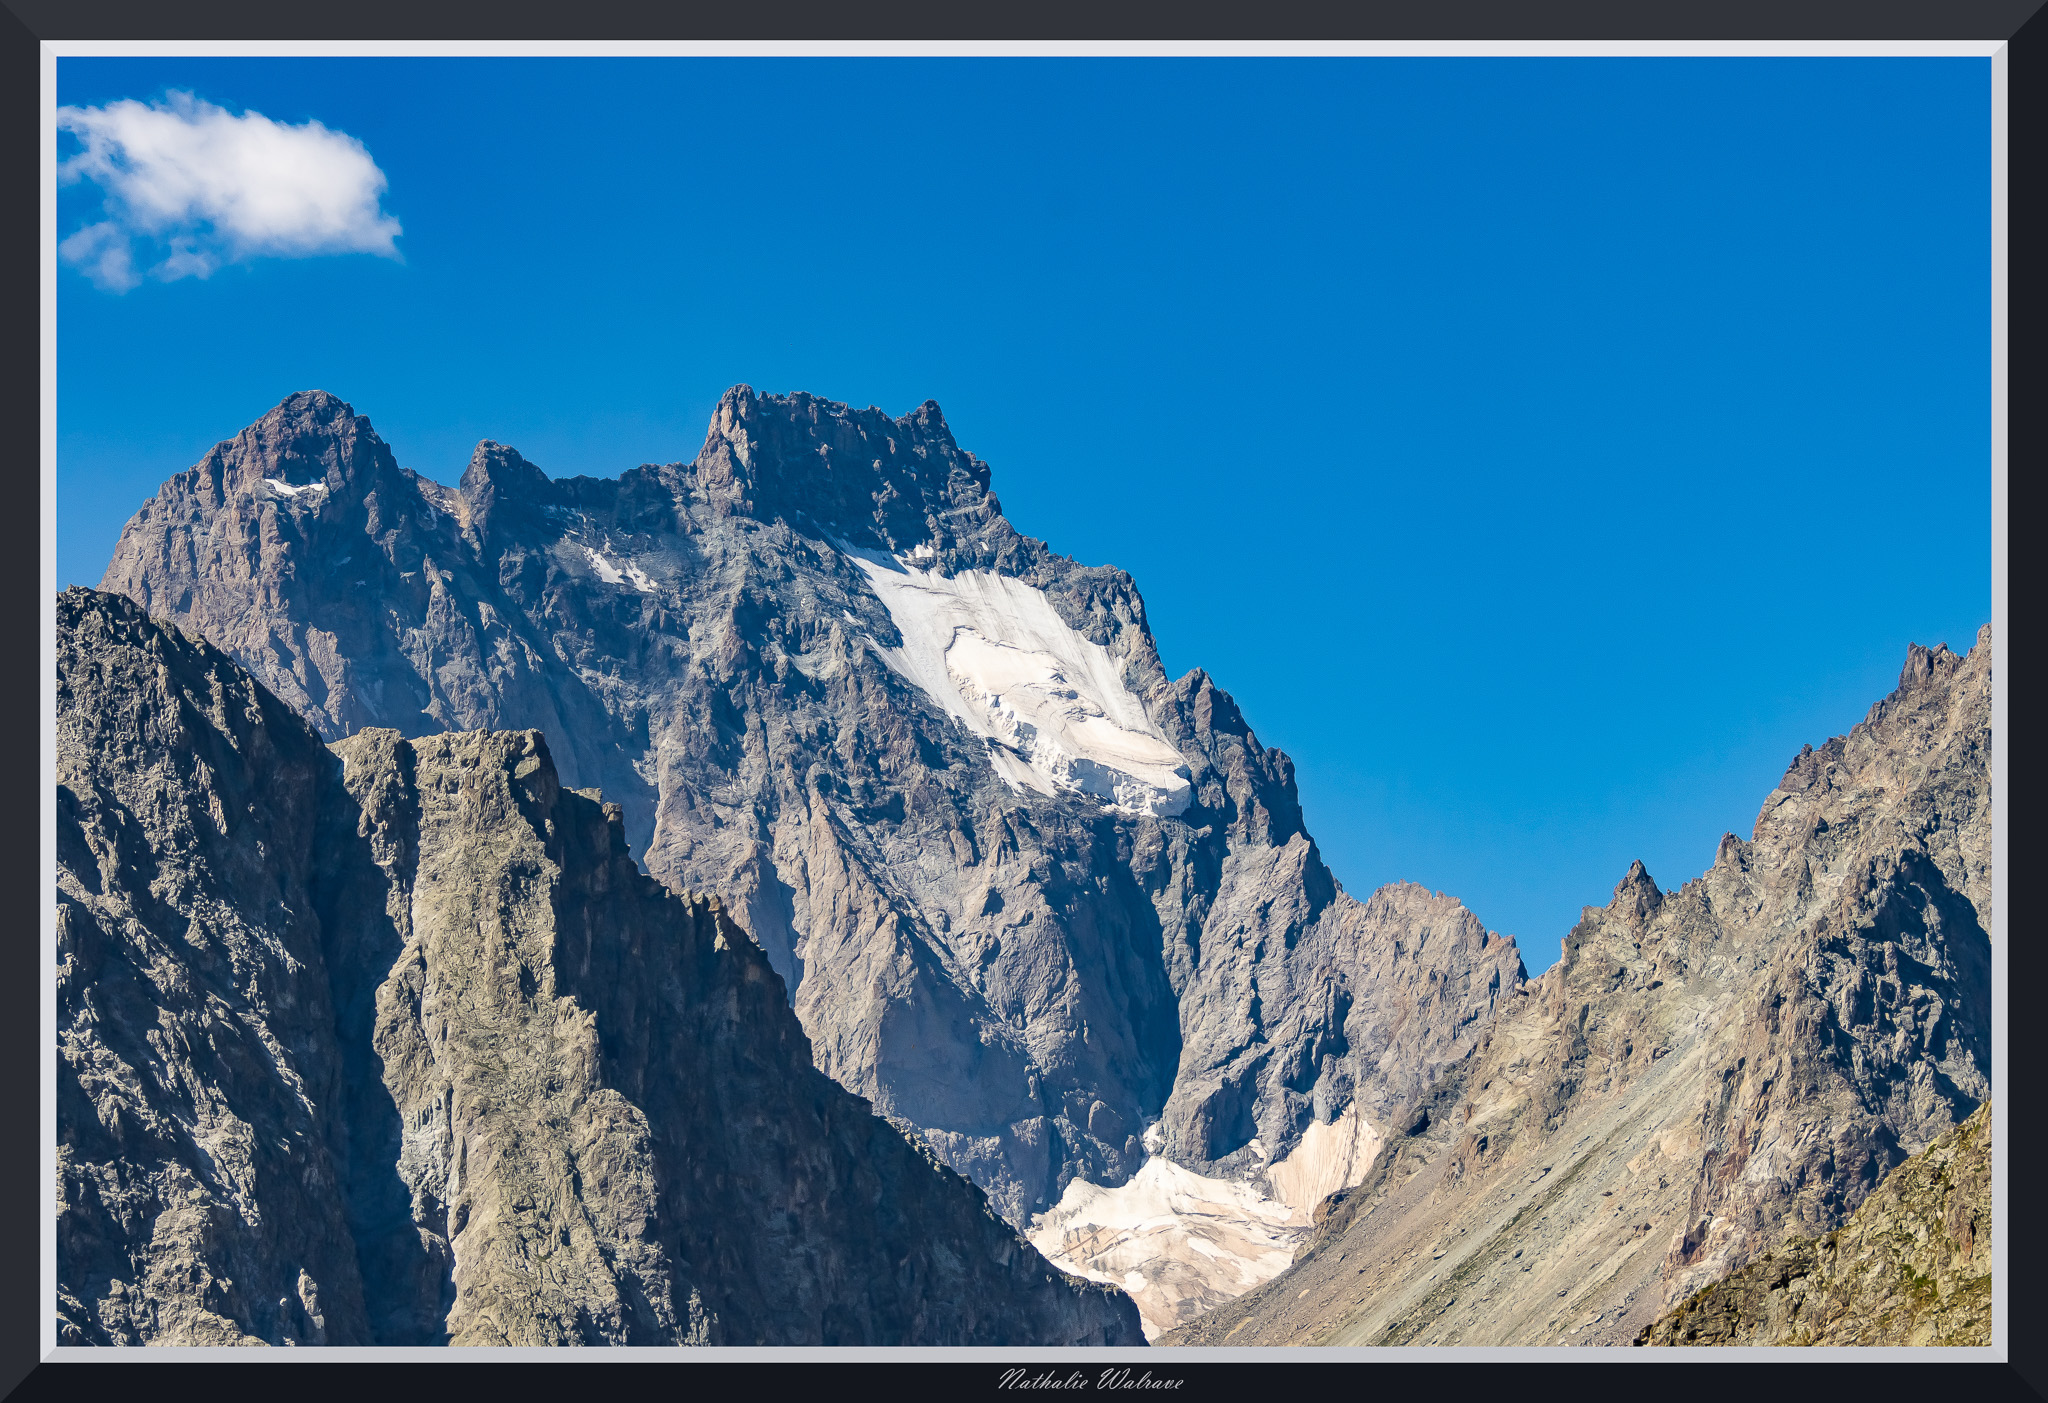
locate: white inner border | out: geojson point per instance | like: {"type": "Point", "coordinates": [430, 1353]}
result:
{"type": "Point", "coordinates": [1089, 1364]}
{"type": "Point", "coordinates": [1024, 48]}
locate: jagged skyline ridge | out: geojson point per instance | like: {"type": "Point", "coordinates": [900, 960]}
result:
{"type": "Point", "coordinates": [954, 933]}
{"type": "Point", "coordinates": [1536, 945]}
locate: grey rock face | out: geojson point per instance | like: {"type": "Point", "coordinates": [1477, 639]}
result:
{"type": "Point", "coordinates": [406, 1050]}
{"type": "Point", "coordinates": [1027, 975]}
{"type": "Point", "coordinates": [1703, 1072]}
{"type": "Point", "coordinates": [201, 1156]}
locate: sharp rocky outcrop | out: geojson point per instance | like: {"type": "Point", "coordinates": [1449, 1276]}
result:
{"type": "Point", "coordinates": [395, 1044]}
{"type": "Point", "coordinates": [1051, 908]}
{"type": "Point", "coordinates": [1702, 1073]}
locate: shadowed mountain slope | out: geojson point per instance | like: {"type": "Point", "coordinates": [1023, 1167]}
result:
{"type": "Point", "coordinates": [401, 1047]}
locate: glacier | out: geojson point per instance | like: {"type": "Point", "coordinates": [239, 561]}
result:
{"type": "Point", "coordinates": [1181, 1243]}
{"type": "Point", "coordinates": [1051, 705]}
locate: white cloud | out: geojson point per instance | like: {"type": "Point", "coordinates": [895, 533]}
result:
{"type": "Point", "coordinates": [192, 186]}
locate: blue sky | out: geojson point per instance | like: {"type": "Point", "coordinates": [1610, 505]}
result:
{"type": "Point", "coordinates": [1540, 450]}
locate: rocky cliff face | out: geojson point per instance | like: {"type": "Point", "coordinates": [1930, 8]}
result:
{"type": "Point", "coordinates": [1703, 1071]}
{"type": "Point", "coordinates": [402, 1048]}
{"type": "Point", "coordinates": [1029, 895]}
{"type": "Point", "coordinates": [1912, 1266]}
{"type": "Point", "coordinates": [201, 1150]}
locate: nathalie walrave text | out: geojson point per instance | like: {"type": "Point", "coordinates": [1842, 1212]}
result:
{"type": "Point", "coordinates": [1075, 1379]}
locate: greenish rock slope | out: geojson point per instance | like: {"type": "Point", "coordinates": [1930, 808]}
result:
{"type": "Point", "coordinates": [1912, 1266]}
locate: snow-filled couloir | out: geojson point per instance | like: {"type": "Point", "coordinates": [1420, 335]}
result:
{"type": "Point", "coordinates": [991, 652]}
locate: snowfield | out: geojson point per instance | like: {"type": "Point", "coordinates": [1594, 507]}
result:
{"type": "Point", "coordinates": [278, 484]}
{"type": "Point", "coordinates": [1052, 706]}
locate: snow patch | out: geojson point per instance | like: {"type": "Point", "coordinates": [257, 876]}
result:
{"type": "Point", "coordinates": [993, 653]}
{"type": "Point", "coordinates": [615, 575]}
{"type": "Point", "coordinates": [289, 489]}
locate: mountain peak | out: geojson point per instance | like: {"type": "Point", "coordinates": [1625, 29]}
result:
{"type": "Point", "coordinates": [306, 413]}
{"type": "Point", "coordinates": [1924, 665]}
{"type": "Point", "coordinates": [1637, 891]}
{"type": "Point", "coordinates": [498, 467]}
{"type": "Point", "coordinates": [932, 419]}
{"type": "Point", "coordinates": [896, 481]}
{"type": "Point", "coordinates": [314, 404]}
{"type": "Point", "coordinates": [309, 438]}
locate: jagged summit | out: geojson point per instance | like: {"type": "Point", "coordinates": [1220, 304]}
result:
{"type": "Point", "coordinates": [497, 467]}
{"type": "Point", "coordinates": [311, 407]}
{"type": "Point", "coordinates": [897, 483]}
{"type": "Point", "coordinates": [311, 438]}
{"type": "Point", "coordinates": [1924, 665]}
{"type": "Point", "coordinates": [1636, 886]}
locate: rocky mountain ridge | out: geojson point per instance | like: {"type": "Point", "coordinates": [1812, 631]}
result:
{"type": "Point", "coordinates": [1054, 910]}
{"type": "Point", "coordinates": [1703, 1071]}
{"type": "Point", "coordinates": [396, 1045]}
